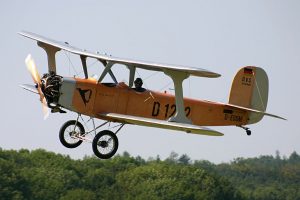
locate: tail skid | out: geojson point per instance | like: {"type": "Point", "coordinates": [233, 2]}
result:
{"type": "Point", "coordinates": [253, 112]}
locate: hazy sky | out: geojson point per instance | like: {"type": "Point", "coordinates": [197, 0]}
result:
{"type": "Point", "coordinates": [220, 36]}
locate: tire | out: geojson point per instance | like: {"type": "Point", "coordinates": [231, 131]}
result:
{"type": "Point", "coordinates": [105, 141]}
{"type": "Point", "coordinates": [248, 132]}
{"type": "Point", "coordinates": [67, 130]}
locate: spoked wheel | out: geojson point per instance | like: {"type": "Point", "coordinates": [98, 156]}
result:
{"type": "Point", "coordinates": [105, 144]}
{"type": "Point", "coordinates": [69, 132]}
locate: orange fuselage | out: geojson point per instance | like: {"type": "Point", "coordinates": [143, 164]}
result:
{"type": "Point", "coordinates": [92, 98]}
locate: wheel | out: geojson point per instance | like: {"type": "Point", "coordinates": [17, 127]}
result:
{"type": "Point", "coordinates": [248, 132]}
{"type": "Point", "coordinates": [105, 144]}
{"type": "Point", "coordinates": [68, 133]}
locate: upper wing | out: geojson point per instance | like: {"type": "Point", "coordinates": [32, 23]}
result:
{"type": "Point", "coordinates": [189, 128]}
{"type": "Point", "coordinates": [128, 62]}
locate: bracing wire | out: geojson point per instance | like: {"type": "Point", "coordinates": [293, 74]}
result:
{"type": "Point", "coordinates": [260, 97]}
{"type": "Point", "coordinates": [189, 87]}
{"type": "Point", "coordinates": [70, 63]}
{"type": "Point", "coordinates": [151, 75]}
{"type": "Point", "coordinates": [143, 79]}
{"type": "Point", "coordinates": [165, 86]}
{"type": "Point", "coordinates": [151, 95]}
{"type": "Point", "coordinates": [93, 63]}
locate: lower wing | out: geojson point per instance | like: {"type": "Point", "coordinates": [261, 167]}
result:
{"type": "Point", "coordinates": [30, 88]}
{"type": "Point", "coordinates": [189, 128]}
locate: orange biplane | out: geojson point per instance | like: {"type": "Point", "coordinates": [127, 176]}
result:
{"type": "Point", "coordinates": [124, 104]}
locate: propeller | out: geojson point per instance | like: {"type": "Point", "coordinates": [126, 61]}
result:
{"type": "Point", "coordinates": [31, 67]}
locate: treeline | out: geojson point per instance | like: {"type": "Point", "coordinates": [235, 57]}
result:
{"type": "Point", "coordinates": [43, 175]}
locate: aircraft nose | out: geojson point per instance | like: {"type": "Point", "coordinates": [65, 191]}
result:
{"type": "Point", "coordinates": [67, 88]}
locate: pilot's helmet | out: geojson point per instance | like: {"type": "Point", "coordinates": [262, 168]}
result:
{"type": "Point", "coordinates": [138, 82]}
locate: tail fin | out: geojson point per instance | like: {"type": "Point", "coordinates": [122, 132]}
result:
{"type": "Point", "coordinates": [250, 89]}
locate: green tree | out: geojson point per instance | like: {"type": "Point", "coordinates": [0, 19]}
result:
{"type": "Point", "coordinates": [165, 181]}
{"type": "Point", "coordinates": [79, 194]}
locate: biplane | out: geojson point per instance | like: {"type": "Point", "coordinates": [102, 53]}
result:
{"type": "Point", "coordinates": [121, 103]}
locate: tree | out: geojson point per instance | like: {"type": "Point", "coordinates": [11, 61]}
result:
{"type": "Point", "coordinates": [294, 157]}
{"type": "Point", "coordinates": [172, 157]}
{"type": "Point", "coordinates": [184, 159]}
{"type": "Point", "coordinates": [45, 175]}
{"type": "Point", "coordinates": [165, 181]}
{"type": "Point", "coordinates": [79, 194]}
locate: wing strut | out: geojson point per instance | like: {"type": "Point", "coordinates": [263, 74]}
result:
{"type": "Point", "coordinates": [178, 77]}
{"type": "Point", "coordinates": [51, 51]}
{"type": "Point", "coordinates": [104, 63]}
{"type": "Point", "coordinates": [131, 75]}
{"type": "Point", "coordinates": [83, 61]}
{"type": "Point", "coordinates": [107, 69]}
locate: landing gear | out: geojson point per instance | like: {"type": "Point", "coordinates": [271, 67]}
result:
{"type": "Point", "coordinates": [105, 144]}
{"type": "Point", "coordinates": [248, 131]}
{"type": "Point", "coordinates": [70, 133]}
{"type": "Point", "coordinates": [56, 109]}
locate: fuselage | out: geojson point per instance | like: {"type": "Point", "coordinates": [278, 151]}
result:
{"type": "Point", "coordinates": [91, 98]}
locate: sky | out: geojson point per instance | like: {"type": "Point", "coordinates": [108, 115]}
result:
{"type": "Point", "coordinates": [220, 36]}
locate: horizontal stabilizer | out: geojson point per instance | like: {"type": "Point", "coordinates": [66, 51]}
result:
{"type": "Point", "coordinates": [189, 128]}
{"type": "Point", "coordinates": [255, 111]}
{"type": "Point", "coordinates": [30, 88]}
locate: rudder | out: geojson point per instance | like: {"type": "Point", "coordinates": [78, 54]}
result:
{"type": "Point", "coordinates": [250, 89]}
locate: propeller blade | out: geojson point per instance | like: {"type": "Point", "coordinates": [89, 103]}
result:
{"type": "Point", "coordinates": [46, 111]}
{"type": "Point", "coordinates": [35, 75]}
{"type": "Point", "coordinates": [31, 67]}
{"type": "Point", "coordinates": [37, 80]}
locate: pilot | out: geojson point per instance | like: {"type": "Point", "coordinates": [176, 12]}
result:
{"type": "Point", "coordinates": [138, 83]}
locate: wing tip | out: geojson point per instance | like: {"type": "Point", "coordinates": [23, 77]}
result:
{"type": "Point", "coordinates": [217, 75]}
{"type": "Point", "coordinates": [275, 116]}
{"type": "Point", "coordinates": [209, 132]}
{"type": "Point", "coordinates": [23, 33]}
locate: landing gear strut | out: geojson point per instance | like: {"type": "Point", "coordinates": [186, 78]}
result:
{"type": "Point", "coordinates": [105, 143]}
{"type": "Point", "coordinates": [248, 131]}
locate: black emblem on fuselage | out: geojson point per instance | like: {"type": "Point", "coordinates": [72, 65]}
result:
{"type": "Point", "coordinates": [85, 95]}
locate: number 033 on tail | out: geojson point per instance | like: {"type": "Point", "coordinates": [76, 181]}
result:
{"type": "Point", "coordinates": [130, 103]}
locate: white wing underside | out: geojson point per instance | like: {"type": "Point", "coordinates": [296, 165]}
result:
{"type": "Point", "coordinates": [189, 128]}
